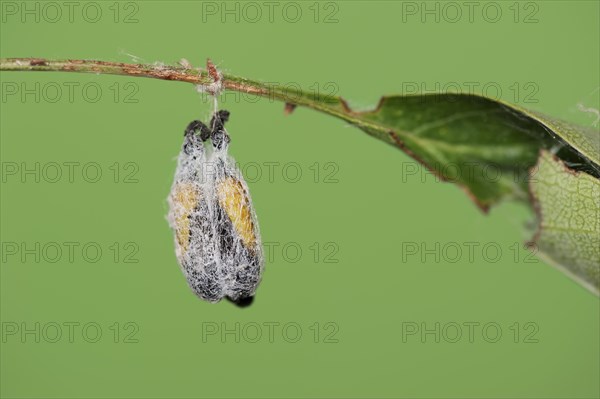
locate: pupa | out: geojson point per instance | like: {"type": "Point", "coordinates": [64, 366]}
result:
{"type": "Point", "coordinates": [217, 238]}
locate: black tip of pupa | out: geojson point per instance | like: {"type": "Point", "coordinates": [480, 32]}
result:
{"type": "Point", "coordinates": [243, 302]}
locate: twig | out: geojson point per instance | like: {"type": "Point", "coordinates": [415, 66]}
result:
{"type": "Point", "coordinates": [325, 103]}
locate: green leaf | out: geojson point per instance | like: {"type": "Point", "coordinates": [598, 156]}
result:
{"type": "Point", "coordinates": [464, 138]}
{"type": "Point", "coordinates": [485, 146]}
{"type": "Point", "coordinates": [568, 207]}
{"type": "Point", "coordinates": [488, 148]}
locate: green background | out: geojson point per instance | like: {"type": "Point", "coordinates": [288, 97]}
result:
{"type": "Point", "coordinates": [372, 209]}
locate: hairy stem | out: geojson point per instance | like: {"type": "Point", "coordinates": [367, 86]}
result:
{"type": "Point", "coordinates": [331, 105]}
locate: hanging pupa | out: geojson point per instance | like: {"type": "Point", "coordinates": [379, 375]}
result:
{"type": "Point", "coordinates": [217, 239]}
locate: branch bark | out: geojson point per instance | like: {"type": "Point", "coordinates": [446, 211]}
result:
{"type": "Point", "coordinates": [332, 105]}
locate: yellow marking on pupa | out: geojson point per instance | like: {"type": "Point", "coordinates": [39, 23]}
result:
{"type": "Point", "coordinates": [185, 198]}
{"type": "Point", "coordinates": [234, 201]}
